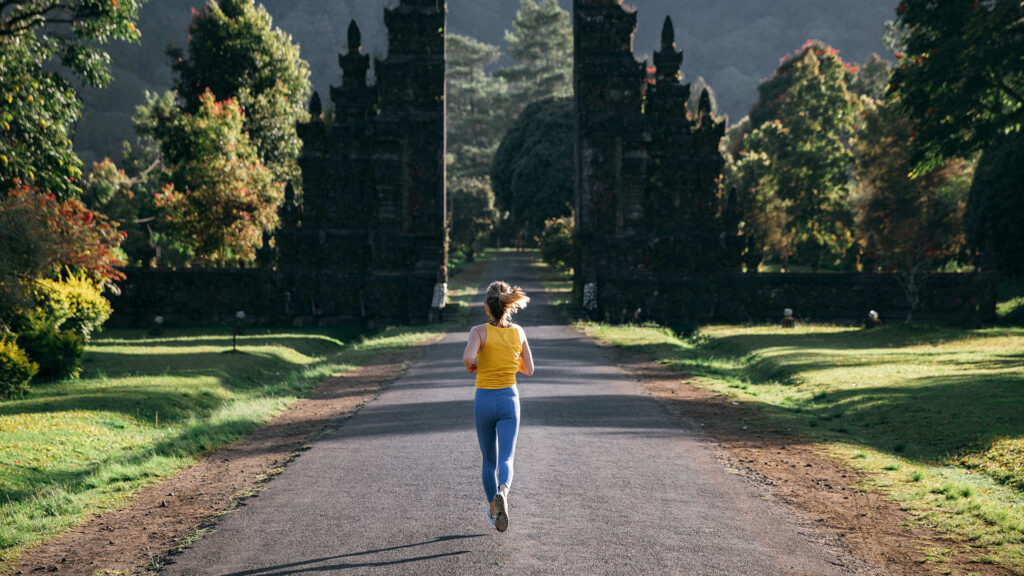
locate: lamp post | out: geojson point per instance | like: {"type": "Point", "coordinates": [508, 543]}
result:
{"type": "Point", "coordinates": [239, 317]}
{"type": "Point", "coordinates": [787, 318]}
{"type": "Point", "coordinates": [158, 326]}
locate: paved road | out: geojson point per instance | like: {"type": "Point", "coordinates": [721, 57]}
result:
{"type": "Point", "coordinates": [605, 483]}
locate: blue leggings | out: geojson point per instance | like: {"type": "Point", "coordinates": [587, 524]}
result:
{"type": "Point", "coordinates": [497, 427]}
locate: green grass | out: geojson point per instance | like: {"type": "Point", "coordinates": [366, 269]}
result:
{"type": "Point", "coordinates": [931, 413]}
{"type": "Point", "coordinates": [147, 406]}
{"type": "Point", "coordinates": [1010, 303]}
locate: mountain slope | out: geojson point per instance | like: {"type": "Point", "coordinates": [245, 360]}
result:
{"type": "Point", "coordinates": [733, 44]}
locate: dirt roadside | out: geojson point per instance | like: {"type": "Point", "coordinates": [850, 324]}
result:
{"type": "Point", "coordinates": [168, 515]}
{"type": "Point", "coordinates": [798, 473]}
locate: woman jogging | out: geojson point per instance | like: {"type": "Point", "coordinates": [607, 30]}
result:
{"type": "Point", "coordinates": [496, 351]}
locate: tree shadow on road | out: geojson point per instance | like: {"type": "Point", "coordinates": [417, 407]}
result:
{"type": "Point", "coordinates": [305, 566]}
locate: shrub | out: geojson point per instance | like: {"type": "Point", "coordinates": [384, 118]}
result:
{"type": "Point", "coordinates": [556, 242]}
{"type": "Point", "coordinates": [16, 370]}
{"type": "Point", "coordinates": [58, 352]}
{"type": "Point", "coordinates": [75, 304]}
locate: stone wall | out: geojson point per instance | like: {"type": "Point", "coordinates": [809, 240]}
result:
{"type": "Point", "coordinates": [212, 296]}
{"type": "Point", "coordinates": [823, 297]}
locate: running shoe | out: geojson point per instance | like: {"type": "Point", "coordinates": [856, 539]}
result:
{"type": "Point", "coordinates": [501, 503]}
{"type": "Point", "coordinates": [489, 517]}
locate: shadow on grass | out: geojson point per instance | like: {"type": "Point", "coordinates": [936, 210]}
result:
{"type": "Point", "coordinates": [189, 406]}
{"type": "Point", "coordinates": [930, 419]}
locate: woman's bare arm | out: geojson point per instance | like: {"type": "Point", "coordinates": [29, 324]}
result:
{"type": "Point", "coordinates": [526, 359]}
{"type": "Point", "coordinates": [472, 347]}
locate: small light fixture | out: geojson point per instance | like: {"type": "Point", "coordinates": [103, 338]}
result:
{"type": "Point", "coordinates": [239, 317]}
{"type": "Point", "coordinates": [872, 320]}
{"type": "Point", "coordinates": [787, 318]}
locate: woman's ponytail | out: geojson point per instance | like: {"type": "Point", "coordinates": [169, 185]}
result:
{"type": "Point", "coordinates": [503, 301]}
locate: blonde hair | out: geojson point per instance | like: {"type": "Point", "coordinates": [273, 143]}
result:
{"type": "Point", "coordinates": [503, 301]}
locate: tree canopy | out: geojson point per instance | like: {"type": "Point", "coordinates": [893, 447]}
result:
{"type": "Point", "coordinates": [793, 167]}
{"type": "Point", "coordinates": [44, 44]}
{"type": "Point", "coordinates": [533, 171]}
{"type": "Point", "coordinates": [476, 106]}
{"type": "Point", "coordinates": [220, 198]}
{"type": "Point", "coordinates": [235, 52]}
{"type": "Point", "coordinates": [995, 206]}
{"type": "Point", "coordinates": [540, 43]}
{"type": "Point", "coordinates": [959, 76]}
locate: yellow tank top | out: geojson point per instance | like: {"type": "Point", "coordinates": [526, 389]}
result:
{"type": "Point", "coordinates": [498, 361]}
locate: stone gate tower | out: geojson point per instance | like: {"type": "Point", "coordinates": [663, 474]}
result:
{"type": "Point", "coordinates": [647, 169]}
{"type": "Point", "coordinates": [368, 240]}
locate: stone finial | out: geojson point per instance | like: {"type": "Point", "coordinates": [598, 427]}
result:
{"type": "Point", "coordinates": [704, 106]}
{"type": "Point", "coordinates": [354, 64]}
{"type": "Point", "coordinates": [316, 107]}
{"type": "Point", "coordinates": [668, 60]}
{"type": "Point", "coordinates": [668, 35]}
{"type": "Point", "coordinates": [355, 38]}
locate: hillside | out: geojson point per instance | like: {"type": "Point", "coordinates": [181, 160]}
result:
{"type": "Point", "coordinates": [733, 44]}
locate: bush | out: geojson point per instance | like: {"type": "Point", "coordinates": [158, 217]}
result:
{"type": "Point", "coordinates": [58, 352]}
{"type": "Point", "coordinates": [16, 370]}
{"type": "Point", "coordinates": [75, 304]}
{"type": "Point", "coordinates": [556, 242]}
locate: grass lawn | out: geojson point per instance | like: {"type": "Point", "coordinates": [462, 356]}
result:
{"type": "Point", "coordinates": [934, 415]}
{"type": "Point", "coordinates": [147, 406]}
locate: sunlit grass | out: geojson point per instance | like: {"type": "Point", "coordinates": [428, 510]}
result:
{"type": "Point", "coordinates": [932, 414]}
{"type": "Point", "coordinates": [147, 406]}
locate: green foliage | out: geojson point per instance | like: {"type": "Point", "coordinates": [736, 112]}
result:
{"type": "Point", "coordinates": [38, 105]}
{"type": "Point", "coordinates": [127, 200]}
{"type": "Point", "coordinates": [235, 52]}
{"type": "Point", "coordinates": [872, 78]}
{"type": "Point", "coordinates": [473, 215]}
{"type": "Point", "coordinates": [220, 198]}
{"type": "Point", "coordinates": [959, 77]}
{"type": "Point", "coordinates": [995, 206]}
{"type": "Point", "coordinates": [792, 169]}
{"type": "Point", "coordinates": [476, 105]}
{"type": "Point", "coordinates": [557, 243]}
{"type": "Point", "coordinates": [540, 43]}
{"type": "Point", "coordinates": [532, 171]}
{"type": "Point", "coordinates": [916, 224]}
{"type": "Point", "coordinates": [16, 370]}
{"type": "Point", "coordinates": [41, 237]}
{"type": "Point", "coordinates": [58, 352]}
{"type": "Point", "coordinates": [74, 304]}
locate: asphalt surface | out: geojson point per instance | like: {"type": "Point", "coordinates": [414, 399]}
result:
{"type": "Point", "coordinates": [605, 483]}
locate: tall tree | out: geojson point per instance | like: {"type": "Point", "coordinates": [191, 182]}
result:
{"type": "Point", "coordinates": [44, 45]}
{"type": "Point", "coordinates": [916, 224]}
{"type": "Point", "coordinates": [803, 124]}
{"type": "Point", "coordinates": [995, 206]}
{"type": "Point", "coordinates": [959, 76]}
{"type": "Point", "coordinates": [221, 198]}
{"type": "Point", "coordinates": [532, 170]}
{"type": "Point", "coordinates": [476, 103]}
{"type": "Point", "coordinates": [540, 43]}
{"type": "Point", "coordinates": [235, 52]}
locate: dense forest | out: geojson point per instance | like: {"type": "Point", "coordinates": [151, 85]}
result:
{"type": "Point", "coordinates": [733, 44]}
